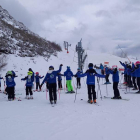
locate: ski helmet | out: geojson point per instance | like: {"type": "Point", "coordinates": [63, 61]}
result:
{"type": "Point", "coordinates": [51, 68]}
{"type": "Point", "coordinates": [30, 73]}
{"type": "Point", "coordinates": [37, 73]}
{"type": "Point", "coordinates": [138, 62]}
{"type": "Point", "coordinates": [9, 73]}
{"type": "Point", "coordinates": [30, 69]}
{"type": "Point", "coordinates": [90, 65]}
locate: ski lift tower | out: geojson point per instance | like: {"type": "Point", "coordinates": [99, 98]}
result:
{"type": "Point", "coordinates": [81, 55]}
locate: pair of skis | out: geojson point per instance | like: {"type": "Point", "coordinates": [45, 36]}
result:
{"type": "Point", "coordinates": [116, 99]}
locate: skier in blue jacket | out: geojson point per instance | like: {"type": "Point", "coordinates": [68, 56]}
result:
{"type": "Point", "coordinates": [78, 78]}
{"type": "Point", "coordinates": [134, 77]}
{"type": "Point", "coordinates": [137, 71]}
{"type": "Point", "coordinates": [10, 85]}
{"type": "Point", "coordinates": [51, 78]}
{"type": "Point", "coordinates": [29, 83]}
{"type": "Point", "coordinates": [107, 75]}
{"type": "Point", "coordinates": [115, 79]}
{"type": "Point", "coordinates": [91, 73]}
{"type": "Point", "coordinates": [60, 82]}
{"type": "Point", "coordinates": [69, 74]}
{"type": "Point", "coordinates": [125, 71]}
{"type": "Point", "coordinates": [37, 79]}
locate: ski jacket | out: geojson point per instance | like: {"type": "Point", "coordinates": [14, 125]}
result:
{"type": "Point", "coordinates": [51, 76]}
{"type": "Point", "coordinates": [10, 81]}
{"type": "Point", "coordinates": [29, 81]}
{"type": "Point", "coordinates": [129, 71]}
{"type": "Point", "coordinates": [68, 73]}
{"type": "Point", "coordinates": [101, 67]}
{"type": "Point", "coordinates": [137, 71]}
{"type": "Point", "coordinates": [0, 79]}
{"type": "Point", "coordinates": [125, 67]}
{"type": "Point", "coordinates": [107, 70]}
{"type": "Point", "coordinates": [133, 69]}
{"type": "Point", "coordinates": [91, 73]}
{"type": "Point", "coordinates": [37, 78]}
{"type": "Point", "coordinates": [115, 75]}
{"type": "Point", "coordinates": [59, 78]}
{"type": "Point", "coordinates": [78, 73]}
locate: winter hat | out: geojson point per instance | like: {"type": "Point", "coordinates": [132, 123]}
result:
{"type": "Point", "coordinates": [68, 67]}
{"type": "Point", "coordinates": [51, 67]}
{"type": "Point", "coordinates": [90, 65]}
{"type": "Point", "coordinates": [138, 62]}
{"type": "Point", "coordinates": [114, 67]}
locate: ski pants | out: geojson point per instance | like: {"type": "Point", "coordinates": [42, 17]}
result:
{"type": "Point", "coordinates": [129, 80]}
{"type": "Point", "coordinates": [125, 78]}
{"type": "Point", "coordinates": [0, 84]}
{"type": "Point", "coordinates": [60, 84]}
{"type": "Point", "coordinates": [78, 82]}
{"type": "Point", "coordinates": [134, 82]}
{"type": "Point", "coordinates": [115, 88]}
{"type": "Point", "coordinates": [107, 77]}
{"type": "Point", "coordinates": [47, 85]}
{"type": "Point", "coordinates": [138, 82]}
{"type": "Point", "coordinates": [91, 92]}
{"type": "Point", "coordinates": [52, 92]}
{"type": "Point", "coordinates": [29, 90]}
{"type": "Point", "coordinates": [11, 92]}
{"type": "Point", "coordinates": [38, 85]}
{"type": "Point", "coordinates": [69, 85]}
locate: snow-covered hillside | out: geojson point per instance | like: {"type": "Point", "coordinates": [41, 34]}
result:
{"type": "Point", "coordinates": [37, 120]}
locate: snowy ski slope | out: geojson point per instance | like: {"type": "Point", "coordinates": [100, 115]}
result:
{"type": "Point", "coordinates": [37, 120]}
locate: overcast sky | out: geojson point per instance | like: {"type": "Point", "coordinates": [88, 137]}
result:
{"type": "Point", "coordinates": [102, 24]}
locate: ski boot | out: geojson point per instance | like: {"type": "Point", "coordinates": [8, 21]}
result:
{"type": "Point", "coordinates": [51, 102]}
{"type": "Point", "coordinates": [55, 101]}
{"type": "Point", "coordinates": [27, 97]}
{"type": "Point", "coordinates": [138, 92]}
{"type": "Point", "coordinates": [31, 97]}
{"type": "Point", "coordinates": [90, 101]}
{"type": "Point", "coordinates": [114, 97]}
{"type": "Point", "coordinates": [72, 91]}
{"type": "Point", "coordinates": [119, 97]}
{"type": "Point", "coordinates": [94, 101]}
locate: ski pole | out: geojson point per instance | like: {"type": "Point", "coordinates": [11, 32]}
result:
{"type": "Point", "coordinates": [46, 94]}
{"type": "Point", "coordinates": [75, 95]}
{"type": "Point", "coordinates": [59, 93]}
{"type": "Point", "coordinates": [106, 90]}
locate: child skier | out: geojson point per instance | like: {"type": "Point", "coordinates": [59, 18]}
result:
{"type": "Point", "coordinates": [137, 70]}
{"type": "Point", "coordinates": [125, 72]}
{"type": "Point", "coordinates": [78, 78]}
{"type": "Point", "coordinates": [115, 78]}
{"type": "Point", "coordinates": [37, 79]}
{"type": "Point", "coordinates": [0, 82]}
{"type": "Point", "coordinates": [59, 82]}
{"type": "Point", "coordinates": [91, 73]}
{"type": "Point", "coordinates": [10, 83]}
{"type": "Point", "coordinates": [51, 78]}
{"type": "Point", "coordinates": [134, 77]}
{"type": "Point", "coordinates": [69, 74]}
{"type": "Point", "coordinates": [107, 75]}
{"type": "Point", "coordinates": [29, 84]}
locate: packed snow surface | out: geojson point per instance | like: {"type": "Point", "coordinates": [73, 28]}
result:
{"type": "Point", "coordinates": [37, 120]}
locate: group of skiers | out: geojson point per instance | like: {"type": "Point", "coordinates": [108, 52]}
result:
{"type": "Point", "coordinates": [130, 72]}
{"type": "Point", "coordinates": [132, 75]}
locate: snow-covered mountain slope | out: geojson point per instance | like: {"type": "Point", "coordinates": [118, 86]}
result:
{"type": "Point", "coordinates": [16, 38]}
{"type": "Point", "coordinates": [36, 119]}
